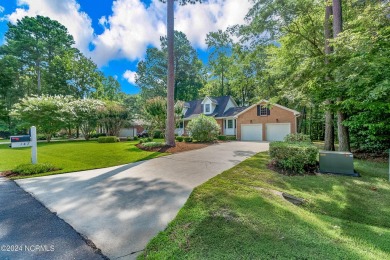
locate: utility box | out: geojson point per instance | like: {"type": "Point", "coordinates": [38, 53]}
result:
{"type": "Point", "coordinates": [337, 163]}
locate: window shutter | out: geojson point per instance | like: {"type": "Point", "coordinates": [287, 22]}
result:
{"type": "Point", "coordinates": [258, 110]}
{"type": "Point", "coordinates": [268, 111]}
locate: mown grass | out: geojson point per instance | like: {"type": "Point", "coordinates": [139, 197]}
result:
{"type": "Point", "coordinates": [75, 155]}
{"type": "Point", "coordinates": [236, 215]}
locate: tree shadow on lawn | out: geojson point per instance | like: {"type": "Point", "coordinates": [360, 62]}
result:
{"type": "Point", "coordinates": [125, 207]}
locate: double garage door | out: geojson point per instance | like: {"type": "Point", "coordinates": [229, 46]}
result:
{"type": "Point", "coordinates": [274, 132]}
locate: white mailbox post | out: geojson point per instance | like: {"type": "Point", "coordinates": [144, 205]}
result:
{"type": "Point", "coordinates": [27, 141]}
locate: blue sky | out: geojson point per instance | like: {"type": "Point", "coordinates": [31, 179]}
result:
{"type": "Point", "coordinates": [116, 33]}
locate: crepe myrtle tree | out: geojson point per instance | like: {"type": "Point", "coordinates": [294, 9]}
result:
{"type": "Point", "coordinates": [86, 114]}
{"type": "Point", "coordinates": [170, 128]}
{"type": "Point", "coordinates": [45, 112]}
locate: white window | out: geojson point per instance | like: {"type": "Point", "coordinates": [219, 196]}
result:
{"type": "Point", "coordinates": [207, 108]}
{"type": "Point", "coordinates": [230, 124]}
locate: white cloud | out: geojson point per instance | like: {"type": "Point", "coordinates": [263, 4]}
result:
{"type": "Point", "coordinates": [129, 30]}
{"type": "Point", "coordinates": [1, 9]}
{"type": "Point", "coordinates": [67, 12]}
{"type": "Point", "coordinates": [130, 76]}
{"type": "Point", "coordinates": [133, 26]}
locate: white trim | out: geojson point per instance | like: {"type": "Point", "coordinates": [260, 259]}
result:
{"type": "Point", "coordinates": [296, 113]}
{"type": "Point", "coordinates": [208, 99]}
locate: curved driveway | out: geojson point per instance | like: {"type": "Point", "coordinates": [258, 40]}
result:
{"type": "Point", "coordinates": [121, 208]}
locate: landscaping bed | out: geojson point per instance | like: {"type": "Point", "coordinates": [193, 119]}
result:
{"type": "Point", "coordinates": [180, 147]}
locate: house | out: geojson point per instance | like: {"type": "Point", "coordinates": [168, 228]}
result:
{"type": "Point", "coordinates": [133, 128]}
{"type": "Point", "coordinates": [260, 122]}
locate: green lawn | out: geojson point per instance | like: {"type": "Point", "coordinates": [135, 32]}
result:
{"type": "Point", "coordinates": [75, 155]}
{"type": "Point", "coordinates": [236, 215]}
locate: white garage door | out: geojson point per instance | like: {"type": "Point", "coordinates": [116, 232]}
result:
{"type": "Point", "coordinates": [277, 132]}
{"type": "Point", "coordinates": [126, 132]}
{"type": "Point", "coordinates": [253, 132]}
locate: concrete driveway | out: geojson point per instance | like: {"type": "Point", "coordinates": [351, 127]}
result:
{"type": "Point", "coordinates": [121, 208]}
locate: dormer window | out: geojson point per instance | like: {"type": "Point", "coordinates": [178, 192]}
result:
{"type": "Point", "coordinates": [207, 108]}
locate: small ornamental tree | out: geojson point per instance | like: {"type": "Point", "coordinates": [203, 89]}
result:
{"type": "Point", "coordinates": [113, 116]}
{"type": "Point", "coordinates": [44, 112]}
{"type": "Point", "coordinates": [86, 114]}
{"type": "Point", "coordinates": [203, 128]}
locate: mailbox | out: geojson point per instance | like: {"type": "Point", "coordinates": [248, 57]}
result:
{"type": "Point", "coordinates": [20, 141]}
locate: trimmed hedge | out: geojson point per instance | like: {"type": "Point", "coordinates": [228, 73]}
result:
{"type": "Point", "coordinates": [231, 138]}
{"type": "Point", "coordinates": [187, 139]}
{"type": "Point", "coordinates": [108, 139]}
{"type": "Point", "coordinates": [222, 137]}
{"type": "Point", "coordinates": [297, 138]}
{"type": "Point", "coordinates": [97, 135]}
{"type": "Point", "coordinates": [153, 144]}
{"type": "Point", "coordinates": [29, 169]}
{"type": "Point", "coordinates": [293, 156]}
{"type": "Point", "coordinates": [179, 138]}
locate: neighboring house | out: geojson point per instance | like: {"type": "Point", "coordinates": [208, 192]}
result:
{"type": "Point", "coordinates": [253, 123]}
{"type": "Point", "coordinates": [134, 127]}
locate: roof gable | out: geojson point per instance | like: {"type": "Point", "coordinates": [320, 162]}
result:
{"type": "Point", "coordinates": [296, 113]}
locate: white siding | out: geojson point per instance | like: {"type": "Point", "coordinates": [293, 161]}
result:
{"type": "Point", "coordinates": [230, 104]}
{"type": "Point", "coordinates": [126, 132]}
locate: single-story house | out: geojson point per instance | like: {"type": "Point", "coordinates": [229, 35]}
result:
{"type": "Point", "coordinates": [134, 127]}
{"type": "Point", "coordinates": [260, 122]}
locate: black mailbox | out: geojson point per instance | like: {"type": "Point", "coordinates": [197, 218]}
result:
{"type": "Point", "coordinates": [20, 138]}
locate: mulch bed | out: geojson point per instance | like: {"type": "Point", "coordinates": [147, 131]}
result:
{"type": "Point", "coordinates": [8, 174]}
{"type": "Point", "coordinates": [180, 147]}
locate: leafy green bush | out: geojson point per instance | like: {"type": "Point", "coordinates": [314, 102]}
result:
{"type": "Point", "coordinates": [108, 139]}
{"type": "Point", "coordinates": [97, 135]}
{"type": "Point", "coordinates": [29, 169]}
{"type": "Point", "coordinates": [158, 134]}
{"type": "Point", "coordinates": [297, 138]}
{"type": "Point", "coordinates": [187, 139]}
{"type": "Point", "coordinates": [153, 144]}
{"type": "Point", "coordinates": [145, 140]}
{"type": "Point", "coordinates": [179, 138]}
{"type": "Point", "coordinates": [231, 138]}
{"type": "Point", "coordinates": [293, 156]}
{"type": "Point", "coordinates": [41, 137]}
{"type": "Point", "coordinates": [222, 137]}
{"type": "Point", "coordinates": [135, 138]}
{"type": "Point", "coordinates": [203, 128]}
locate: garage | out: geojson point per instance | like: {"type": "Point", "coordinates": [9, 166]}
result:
{"type": "Point", "coordinates": [128, 132]}
{"type": "Point", "coordinates": [252, 132]}
{"type": "Point", "coordinates": [277, 131]}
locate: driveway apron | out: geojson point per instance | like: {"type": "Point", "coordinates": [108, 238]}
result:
{"type": "Point", "coordinates": [121, 208]}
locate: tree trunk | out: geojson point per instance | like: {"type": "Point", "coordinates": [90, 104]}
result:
{"type": "Point", "coordinates": [39, 77]}
{"type": "Point", "coordinates": [342, 130]}
{"type": "Point", "coordinates": [170, 128]}
{"type": "Point", "coordinates": [329, 126]}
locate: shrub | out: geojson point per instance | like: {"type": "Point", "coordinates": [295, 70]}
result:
{"type": "Point", "coordinates": [29, 169]}
{"type": "Point", "coordinates": [231, 138]}
{"type": "Point", "coordinates": [153, 144]}
{"type": "Point", "coordinates": [41, 137]}
{"type": "Point", "coordinates": [96, 135]}
{"type": "Point", "coordinates": [222, 137]}
{"type": "Point", "coordinates": [108, 139]}
{"type": "Point", "coordinates": [203, 128]}
{"type": "Point", "coordinates": [135, 138]}
{"type": "Point", "coordinates": [187, 139]}
{"type": "Point", "coordinates": [179, 138]}
{"type": "Point", "coordinates": [158, 134]}
{"type": "Point", "coordinates": [145, 140]}
{"type": "Point", "coordinates": [293, 156]}
{"type": "Point", "coordinates": [297, 138]}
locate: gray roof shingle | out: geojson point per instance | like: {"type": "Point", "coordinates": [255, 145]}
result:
{"type": "Point", "coordinates": [196, 107]}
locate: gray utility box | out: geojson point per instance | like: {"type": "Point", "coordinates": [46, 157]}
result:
{"type": "Point", "coordinates": [337, 163]}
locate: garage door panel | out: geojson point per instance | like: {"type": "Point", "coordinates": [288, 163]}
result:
{"type": "Point", "coordinates": [277, 132]}
{"type": "Point", "coordinates": [253, 132]}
